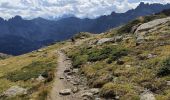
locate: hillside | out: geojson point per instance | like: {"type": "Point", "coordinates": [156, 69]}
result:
{"type": "Point", "coordinates": [41, 32]}
{"type": "Point", "coordinates": [131, 62]}
{"type": "Point", "coordinates": [28, 75]}
{"type": "Point", "coordinates": [127, 66]}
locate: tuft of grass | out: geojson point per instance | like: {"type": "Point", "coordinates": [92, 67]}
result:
{"type": "Point", "coordinates": [111, 90]}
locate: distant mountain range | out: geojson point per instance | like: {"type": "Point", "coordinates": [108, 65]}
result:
{"type": "Point", "coordinates": [18, 36]}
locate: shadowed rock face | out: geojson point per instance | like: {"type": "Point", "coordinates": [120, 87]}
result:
{"type": "Point", "coordinates": [19, 36]}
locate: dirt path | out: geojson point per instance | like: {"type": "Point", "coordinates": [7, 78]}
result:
{"type": "Point", "coordinates": [60, 84]}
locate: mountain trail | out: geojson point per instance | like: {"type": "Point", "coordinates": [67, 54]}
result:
{"type": "Point", "coordinates": [62, 84]}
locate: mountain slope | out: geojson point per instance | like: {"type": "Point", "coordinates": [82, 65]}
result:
{"type": "Point", "coordinates": [126, 66]}
{"type": "Point", "coordinates": [40, 31]}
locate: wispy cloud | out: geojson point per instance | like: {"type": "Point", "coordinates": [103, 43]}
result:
{"type": "Point", "coordinates": [79, 8]}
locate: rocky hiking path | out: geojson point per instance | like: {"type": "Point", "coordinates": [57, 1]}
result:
{"type": "Point", "coordinates": [64, 85]}
{"type": "Point", "coordinates": [60, 83]}
{"type": "Point", "coordinates": [68, 85]}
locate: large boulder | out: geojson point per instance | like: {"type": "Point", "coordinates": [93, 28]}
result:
{"type": "Point", "coordinates": [15, 90]}
{"type": "Point", "coordinates": [152, 24]}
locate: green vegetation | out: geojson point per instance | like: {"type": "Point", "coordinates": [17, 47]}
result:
{"type": "Point", "coordinates": [24, 70]}
{"type": "Point", "coordinates": [165, 68]}
{"type": "Point", "coordinates": [124, 69]}
{"type": "Point", "coordinates": [35, 68]}
{"type": "Point", "coordinates": [111, 90]}
{"type": "Point", "coordinates": [83, 55]}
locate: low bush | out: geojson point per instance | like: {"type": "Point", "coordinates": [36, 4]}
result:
{"type": "Point", "coordinates": [165, 68]}
{"type": "Point", "coordinates": [115, 55]}
{"type": "Point", "coordinates": [79, 60]}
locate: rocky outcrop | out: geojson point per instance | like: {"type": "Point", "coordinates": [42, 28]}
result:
{"type": "Point", "coordinates": [152, 24]}
{"type": "Point", "coordinates": [148, 27]}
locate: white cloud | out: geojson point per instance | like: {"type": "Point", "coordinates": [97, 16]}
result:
{"type": "Point", "coordinates": [79, 8]}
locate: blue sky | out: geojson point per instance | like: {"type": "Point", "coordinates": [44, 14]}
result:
{"type": "Point", "coordinates": [55, 8]}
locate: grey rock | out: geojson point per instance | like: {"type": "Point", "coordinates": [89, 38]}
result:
{"type": "Point", "coordinates": [75, 70]}
{"type": "Point", "coordinates": [40, 78]}
{"type": "Point", "coordinates": [105, 40]}
{"type": "Point", "coordinates": [134, 28]}
{"type": "Point", "coordinates": [118, 38]}
{"type": "Point", "coordinates": [40, 50]}
{"type": "Point", "coordinates": [168, 83]}
{"type": "Point", "coordinates": [94, 90]}
{"type": "Point", "coordinates": [140, 39]}
{"type": "Point", "coordinates": [152, 24]}
{"type": "Point", "coordinates": [127, 66]}
{"type": "Point", "coordinates": [97, 99]}
{"type": "Point", "coordinates": [147, 95]}
{"type": "Point", "coordinates": [151, 56]}
{"type": "Point", "coordinates": [69, 77]}
{"type": "Point", "coordinates": [15, 90]}
{"type": "Point", "coordinates": [65, 92]}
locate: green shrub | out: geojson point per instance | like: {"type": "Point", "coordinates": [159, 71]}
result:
{"type": "Point", "coordinates": [79, 60]}
{"type": "Point", "coordinates": [33, 70]}
{"type": "Point", "coordinates": [97, 55]}
{"type": "Point", "coordinates": [165, 68]}
{"type": "Point", "coordinates": [112, 53]}
{"type": "Point", "coordinates": [115, 55]}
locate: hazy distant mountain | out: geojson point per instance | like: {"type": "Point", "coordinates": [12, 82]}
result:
{"type": "Point", "coordinates": [19, 36]}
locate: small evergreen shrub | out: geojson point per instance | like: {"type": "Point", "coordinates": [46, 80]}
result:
{"type": "Point", "coordinates": [165, 68]}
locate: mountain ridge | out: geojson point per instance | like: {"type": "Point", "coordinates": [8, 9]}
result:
{"type": "Point", "coordinates": [43, 31]}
